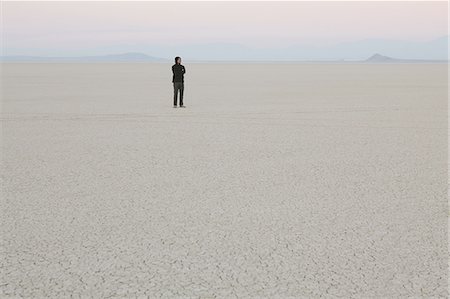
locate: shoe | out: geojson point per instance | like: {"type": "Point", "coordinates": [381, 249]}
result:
{"type": "Point", "coordinates": [182, 106]}
{"type": "Point", "coordinates": [174, 106]}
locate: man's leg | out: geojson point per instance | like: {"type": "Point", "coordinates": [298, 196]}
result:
{"type": "Point", "coordinates": [175, 93]}
{"type": "Point", "coordinates": [181, 93]}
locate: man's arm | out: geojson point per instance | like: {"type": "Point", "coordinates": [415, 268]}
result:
{"type": "Point", "coordinates": [173, 74]}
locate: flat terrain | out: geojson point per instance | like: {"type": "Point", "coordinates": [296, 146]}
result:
{"type": "Point", "coordinates": [276, 181]}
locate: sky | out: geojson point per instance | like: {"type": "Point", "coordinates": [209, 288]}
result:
{"type": "Point", "coordinates": [71, 28]}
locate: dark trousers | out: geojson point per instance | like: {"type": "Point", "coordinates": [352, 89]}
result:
{"type": "Point", "coordinates": [178, 86]}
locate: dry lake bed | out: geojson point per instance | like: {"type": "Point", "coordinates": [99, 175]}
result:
{"type": "Point", "coordinates": [277, 181]}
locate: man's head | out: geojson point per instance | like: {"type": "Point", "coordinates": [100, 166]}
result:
{"type": "Point", "coordinates": [178, 60]}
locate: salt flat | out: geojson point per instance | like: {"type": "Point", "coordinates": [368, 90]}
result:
{"type": "Point", "coordinates": [276, 181]}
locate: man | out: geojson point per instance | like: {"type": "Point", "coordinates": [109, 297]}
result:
{"type": "Point", "coordinates": [178, 71]}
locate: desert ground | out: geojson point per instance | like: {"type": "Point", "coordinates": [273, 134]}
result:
{"type": "Point", "coordinates": [288, 180]}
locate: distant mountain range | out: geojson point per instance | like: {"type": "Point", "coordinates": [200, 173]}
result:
{"type": "Point", "coordinates": [356, 51]}
{"type": "Point", "coordinates": [125, 57]}
{"type": "Point", "coordinates": [378, 58]}
{"type": "Point", "coordinates": [140, 57]}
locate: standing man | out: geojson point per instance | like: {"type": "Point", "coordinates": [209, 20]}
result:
{"type": "Point", "coordinates": [178, 71]}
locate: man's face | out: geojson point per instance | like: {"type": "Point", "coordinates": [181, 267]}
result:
{"type": "Point", "coordinates": [179, 60]}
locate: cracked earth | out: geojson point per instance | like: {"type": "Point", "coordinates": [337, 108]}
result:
{"type": "Point", "coordinates": [330, 186]}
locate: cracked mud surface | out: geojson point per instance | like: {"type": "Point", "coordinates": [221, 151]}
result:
{"type": "Point", "coordinates": [330, 185]}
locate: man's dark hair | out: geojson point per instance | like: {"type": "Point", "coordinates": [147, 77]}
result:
{"type": "Point", "coordinates": [176, 58]}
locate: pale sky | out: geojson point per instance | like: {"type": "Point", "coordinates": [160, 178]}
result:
{"type": "Point", "coordinates": [79, 27]}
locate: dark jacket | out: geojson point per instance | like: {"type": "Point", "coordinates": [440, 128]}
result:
{"type": "Point", "coordinates": [178, 71]}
